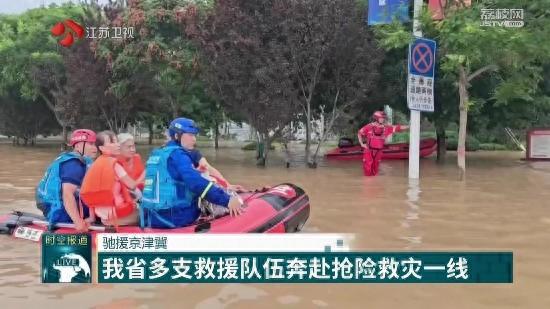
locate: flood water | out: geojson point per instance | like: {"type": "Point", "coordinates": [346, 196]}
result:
{"type": "Point", "coordinates": [503, 205]}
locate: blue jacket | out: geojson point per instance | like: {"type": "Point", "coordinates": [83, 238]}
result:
{"type": "Point", "coordinates": [190, 186]}
{"type": "Point", "coordinates": [69, 167]}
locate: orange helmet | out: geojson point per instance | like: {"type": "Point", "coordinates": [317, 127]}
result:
{"type": "Point", "coordinates": [82, 135]}
{"type": "Point", "coordinates": [379, 114]}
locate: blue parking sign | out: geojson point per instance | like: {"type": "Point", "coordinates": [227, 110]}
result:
{"type": "Point", "coordinates": [422, 57]}
{"type": "Point", "coordinates": [420, 83]}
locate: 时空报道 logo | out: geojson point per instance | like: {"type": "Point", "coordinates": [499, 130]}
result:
{"type": "Point", "coordinates": [66, 258]}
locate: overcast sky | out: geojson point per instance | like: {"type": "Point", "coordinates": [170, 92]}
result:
{"type": "Point", "coordinates": [20, 6]}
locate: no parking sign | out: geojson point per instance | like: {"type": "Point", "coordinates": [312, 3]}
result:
{"type": "Point", "coordinates": [420, 83]}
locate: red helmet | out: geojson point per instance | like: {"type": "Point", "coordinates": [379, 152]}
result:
{"type": "Point", "coordinates": [379, 114]}
{"type": "Point", "coordinates": [82, 135]}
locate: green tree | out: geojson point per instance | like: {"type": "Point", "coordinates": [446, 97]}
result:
{"type": "Point", "coordinates": [162, 48]}
{"type": "Point", "coordinates": [25, 119]}
{"type": "Point", "coordinates": [350, 71]}
{"type": "Point", "coordinates": [25, 42]}
{"type": "Point", "coordinates": [131, 80]}
{"type": "Point", "coordinates": [242, 56]}
{"type": "Point", "coordinates": [470, 52]}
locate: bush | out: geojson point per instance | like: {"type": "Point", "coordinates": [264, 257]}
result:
{"type": "Point", "coordinates": [492, 146]}
{"type": "Point", "coordinates": [403, 137]}
{"type": "Point", "coordinates": [250, 146]}
{"type": "Point", "coordinates": [472, 144]}
{"type": "Point", "coordinates": [203, 138]}
{"type": "Point", "coordinates": [254, 146]}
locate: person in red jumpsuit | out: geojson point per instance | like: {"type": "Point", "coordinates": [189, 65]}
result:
{"type": "Point", "coordinates": [372, 138]}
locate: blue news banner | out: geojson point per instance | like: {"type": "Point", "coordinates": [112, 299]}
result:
{"type": "Point", "coordinates": [315, 267]}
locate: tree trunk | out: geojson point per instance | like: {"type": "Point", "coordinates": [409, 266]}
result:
{"type": "Point", "coordinates": [251, 133]}
{"type": "Point", "coordinates": [260, 156]}
{"type": "Point", "coordinates": [308, 134]}
{"type": "Point", "coordinates": [65, 138]}
{"type": "Point", "coordinates": [441, 142]}
{"type": "Point", "coordinates": [216, 134]}
{"type": "Point", "coordinates": [258, 141]}
{"type": "Point", "coordinates": [151, 132]}
{"type": "Point", "coordinates": [463, 84]}
{"type": "Point", "coordinates": [323, 137]}
{"type": "Point", "coordinates": [174, 107]}
{"type": "Point", "coordinates": [287, 154]}
{"type": "Point", "coordinates": [266, 146]}
{"type": "Point", "coordinates": [322, 125]}
{"type": "Point", "coordinates": [463, 108]}
{"type": "Point", "coordinates": [226, 133]}
{"type": "Point", "coordinates": [51, 106]}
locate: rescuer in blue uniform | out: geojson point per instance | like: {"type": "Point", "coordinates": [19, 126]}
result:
{"type": "Point", "coordinates": [57, 194]}
{"type": "Point", "coordinates": [173, 186]}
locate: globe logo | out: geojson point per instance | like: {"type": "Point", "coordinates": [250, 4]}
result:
{"type": "Point", "coordinates": [72, 268]}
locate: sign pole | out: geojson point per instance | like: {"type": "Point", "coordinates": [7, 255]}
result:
{"type": "Point", "coordinates": [414, 133]}
{"type": "Point", "coordinates": [389, 114]}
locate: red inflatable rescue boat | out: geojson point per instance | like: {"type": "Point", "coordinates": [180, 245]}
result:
{"type": "Point", "coordinates": [280, 209]}
{"type": "Point", "coordinates": [348, 151]}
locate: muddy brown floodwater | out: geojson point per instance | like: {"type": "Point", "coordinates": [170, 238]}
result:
{"type": "Point", "coordinates": [503, 205]}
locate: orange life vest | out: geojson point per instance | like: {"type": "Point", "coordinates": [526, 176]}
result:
{"type": "Point", "coordinates": [376, 136]}
{"type": "Point", "coordinates": [97, 187]}
{"type": "Point", "coordinates": [136, 170]}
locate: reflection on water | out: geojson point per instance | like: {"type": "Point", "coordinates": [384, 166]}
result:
{"type": "Point", "coordinates": [231, 294]}
{"type": "Point", "coordinates": [412, 214]}
{"type": "Point", "coordinates": [502, 205]}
